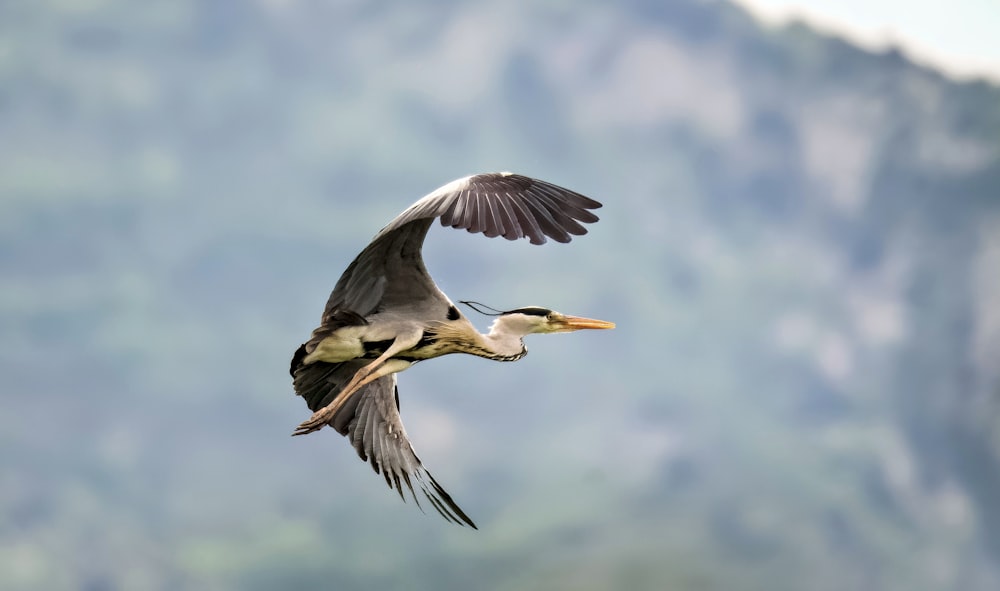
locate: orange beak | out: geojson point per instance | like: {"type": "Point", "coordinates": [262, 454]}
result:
{"type": "Point", "coordinates": [569, 323]}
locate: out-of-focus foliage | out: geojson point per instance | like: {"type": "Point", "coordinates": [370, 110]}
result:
{"type": "Point", "coordinates": [800, 246]}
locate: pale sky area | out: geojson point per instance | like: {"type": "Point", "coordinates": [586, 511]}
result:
{"type": "Point", "coordinates": [961, 37]}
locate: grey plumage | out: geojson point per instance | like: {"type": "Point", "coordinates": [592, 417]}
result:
{"type": "Point", "coordinates": [387, 285]}
{"type": "Point", "coordinates": [390, 270]}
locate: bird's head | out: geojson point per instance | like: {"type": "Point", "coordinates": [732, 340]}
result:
{"type": "Point", "coordinates": [538, 320]}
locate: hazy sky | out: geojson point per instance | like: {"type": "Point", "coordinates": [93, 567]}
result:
{"type": "Point", "coordinates": [961, 36]}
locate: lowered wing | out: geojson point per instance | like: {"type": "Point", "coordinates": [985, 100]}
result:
{"type": "Point", "coordinates": [370, 420]}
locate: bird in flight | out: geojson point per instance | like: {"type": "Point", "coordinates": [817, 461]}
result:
{"type": "Point", "coordinates": [386, 314]}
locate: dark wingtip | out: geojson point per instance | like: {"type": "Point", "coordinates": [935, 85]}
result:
{"type": "Point", "coordinates": [442, 496]}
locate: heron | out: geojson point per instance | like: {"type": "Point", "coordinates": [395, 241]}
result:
{"type": "Point", "coordinates": [386, 314]}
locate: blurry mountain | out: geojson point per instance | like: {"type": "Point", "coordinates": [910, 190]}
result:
{"type": "Point", "coordinates": [800, 245]}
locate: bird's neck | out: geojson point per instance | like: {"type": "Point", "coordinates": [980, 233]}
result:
{"type": "Point", "coordinates": [500, 344]}
{"type": "Point", "coordinates": [503, 345]}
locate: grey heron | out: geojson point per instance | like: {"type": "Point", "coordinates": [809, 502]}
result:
{"type": "Point", "coordinates": [386, 314]}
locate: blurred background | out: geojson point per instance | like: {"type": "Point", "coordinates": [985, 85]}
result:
{"type": "Point", "coordinates": [800, 244]}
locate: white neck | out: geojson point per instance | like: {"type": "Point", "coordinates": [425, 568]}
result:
{"type": "Point", "coordinates": [505, 340]}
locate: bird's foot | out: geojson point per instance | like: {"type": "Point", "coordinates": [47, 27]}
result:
{"type": "Point", "coordinates": [316, 422]}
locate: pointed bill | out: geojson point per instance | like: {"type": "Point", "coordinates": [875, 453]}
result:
{"type": "Point", "coordinates": [579, 322]}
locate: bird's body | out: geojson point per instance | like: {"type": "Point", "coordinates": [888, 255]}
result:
{"type": "Point", "coordinates": [386, 313]}
{"type": "Point", "coordinates": [452, 333]}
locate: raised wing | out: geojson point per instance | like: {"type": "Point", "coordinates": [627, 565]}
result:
{"type": "Point", "coordinates": [390, 271]}
{"type": "Point", "coordinates": [504, 204]}
{"type": "Point", "coordinates": [370, 419]}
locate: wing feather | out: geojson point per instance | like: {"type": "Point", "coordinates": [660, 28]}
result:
{"type": "Point", "coordinates": [362, 415]}
{"type": "Point", "coordinates": [546, 220]}
{"type": "Point", "coordinates": [474, 220]}
{"type": "Point", "coordinates": [371, 422]}
{"type": "Point", "coordinates": [494, 225]}
{"type": "Point", "coordinates": [506, 218]}
{"type": "Point", "coordinates": [531, 229]}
